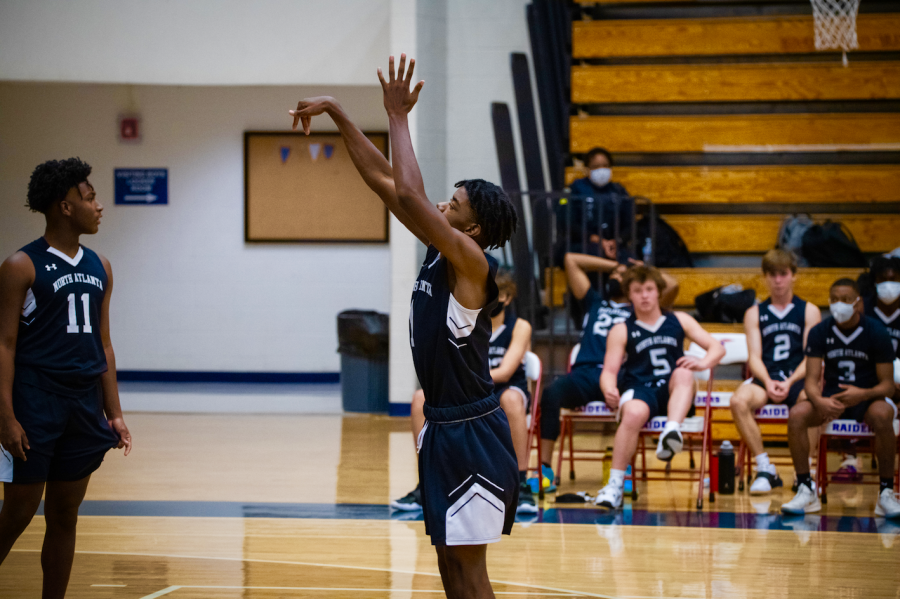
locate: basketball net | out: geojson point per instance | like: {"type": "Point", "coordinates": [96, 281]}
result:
{"type": "Point", "coordinates": [835, 25]}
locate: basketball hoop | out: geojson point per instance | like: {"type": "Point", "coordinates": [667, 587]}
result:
{"type": "Point", "coordinates": [835, 25]}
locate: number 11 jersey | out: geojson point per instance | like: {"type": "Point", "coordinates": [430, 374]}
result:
{"type": "Point", "coordinates": [59, 327]}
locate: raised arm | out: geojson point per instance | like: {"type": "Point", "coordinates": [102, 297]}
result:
{"type": "Point", "coordinates": [108, 382]}
{"type": "Point", "coordinates": [577, 267]}
{"type": "Point", "coordinates": [670, 293]}
{"type": "Point", "coordinates": [714, 350]}
{"type": "Point", "coordinates": [16, 278]}
{"type": "Point", "coordinates": [518, 345]}
{"type": "Point", "coordinates": [368, 160]}
{"type": "Point", "coordinates": [466, 257]}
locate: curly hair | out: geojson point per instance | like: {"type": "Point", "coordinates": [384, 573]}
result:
{"type": "Point", "coordinates": [493, 211]}
{"type": "Point", "coordinates": [52, 180]}
{"type": "Point", "coordinates": [881, 264]}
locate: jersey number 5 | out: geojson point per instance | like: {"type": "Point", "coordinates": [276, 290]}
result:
{"type": "Point", "coordinates": [657, 358]}
{"type": "Point", "coordinates": [73, 322]}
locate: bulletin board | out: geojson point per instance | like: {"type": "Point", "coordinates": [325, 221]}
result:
{"type": "Point", "coordinates": [300, 188]}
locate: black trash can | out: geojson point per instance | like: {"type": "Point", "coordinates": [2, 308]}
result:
{"type": "Point", "coordinates": [363, 345]}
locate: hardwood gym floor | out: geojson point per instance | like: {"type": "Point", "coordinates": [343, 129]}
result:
{"type": "Point", "coordinates": [218, 506]}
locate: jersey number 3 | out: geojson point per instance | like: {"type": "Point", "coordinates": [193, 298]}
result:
{"type": "Point", "coordinates": [73, 322]}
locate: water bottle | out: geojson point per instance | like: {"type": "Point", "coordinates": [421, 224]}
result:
{"type": "Point", "coordinates": [629, 482]}
{"type": "Point", "coordinates": [648, 249]}
{"type": "Point", "coordinates": [726, 468]}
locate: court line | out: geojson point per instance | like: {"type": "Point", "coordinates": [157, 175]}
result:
{"type": "Point", "coordinates": [170, 589]}
{"type": "Point", "coordinates": [316, 565]}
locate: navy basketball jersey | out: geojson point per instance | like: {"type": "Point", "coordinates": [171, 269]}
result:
{"type": "Point", "coordinates": [59, 328]}
{"type": "Point", "coordinates": [449, 342]}
{"type": "Point", "coordinates": [782, 336]}
{"type": "Point", "coordinates": [890, 321]}
{"type": "Point", "coordinates": [500, 340]}
{"type": "Point", "coordinates": [652, 351]}
{"type": "Point", "coordinates": [849, 357]}
{"type": "Point", "coordinates": [599, 318]}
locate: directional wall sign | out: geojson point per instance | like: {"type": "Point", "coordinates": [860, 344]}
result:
{"type": "Point", "coordinates": [142, 186]}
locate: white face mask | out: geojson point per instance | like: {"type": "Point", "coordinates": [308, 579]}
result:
{"type": "Point", "coordinates": [888, 291]}
{"type": "Point", "coordinates": [843, 311]}
{"type": "Point", "coordinates": [601, 176]}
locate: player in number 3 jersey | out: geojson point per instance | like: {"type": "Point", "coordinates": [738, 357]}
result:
{"type": "Point", "coordinates": [59, 403]}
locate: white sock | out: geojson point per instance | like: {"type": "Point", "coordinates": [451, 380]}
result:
{"type": "Point", "coordinates": [617, 477]}
{"type": "Point", "coordinates": [671, 426]}
{"type": "Point", "coordinates": [762, 461]}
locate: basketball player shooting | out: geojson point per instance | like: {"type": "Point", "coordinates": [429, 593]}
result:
{"type": "Point", "coordinates": [467, 465]}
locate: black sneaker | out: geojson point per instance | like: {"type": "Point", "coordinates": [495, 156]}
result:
{"type": "Point", "coordinates": [411, 503]}
{"type": "Point", "coordinates": [526, 500]}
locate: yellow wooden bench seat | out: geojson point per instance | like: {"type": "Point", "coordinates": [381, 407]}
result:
{"type": "Point", "coordinates": [812, 283]}
{"type": "Point", "coordinates": [716, 36]}
{"type": "Point", "coordinates": [736, 133]}
{"type": "Point", "coordinates": [758, 233]}
{"type": "Point", "coordinates": [735, 82]}
{"type": "Point", "coordinates": [839, 184]}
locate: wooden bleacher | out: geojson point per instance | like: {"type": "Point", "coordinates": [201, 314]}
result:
{"type": "Point", "coordinates": [758, 233]}
{"type": "Point", "coordinates": [736, 132]}
{"type": "Point", "coordinates": [873, 80]}
{"type": "Point", "coordinates": [851, 183]}
{"type": "Point", "coordinates": [718, 36]}
{"type": "Point", "coordinates": [812, 284]}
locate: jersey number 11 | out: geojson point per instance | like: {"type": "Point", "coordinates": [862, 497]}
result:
{"type": "Point", "coordinates": [73, 322]}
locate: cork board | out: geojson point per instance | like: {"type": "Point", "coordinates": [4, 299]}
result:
{"type": "Point", "coordinates": [300, 188]}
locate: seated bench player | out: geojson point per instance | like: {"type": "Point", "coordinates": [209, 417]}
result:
{"type": "Point", "coordinates": [658, 377]}
{"type": "Point", "coordinates": [776, 333]}
{"type": "Point", "coordinates": [886, 305]}
{"type": "Point", "coordinates": [510, 339]}
{"type": "Point", "coordinates": [855, 353]}
{"type": "Point", "coordinates": [601, 311]}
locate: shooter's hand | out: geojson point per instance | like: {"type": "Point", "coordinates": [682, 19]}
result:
{"type": "Point", "coordinates": [310, 107]}
{"type": "Point", "coordinates": [398, 99]}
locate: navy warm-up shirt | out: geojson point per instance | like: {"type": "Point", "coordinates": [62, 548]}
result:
{"type": "Point", "coordinates": [849, 357]}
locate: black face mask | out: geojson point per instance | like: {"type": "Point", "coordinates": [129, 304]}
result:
{"type": "Point", "coordinates": [613, 288]}
{"type": "Point", "coordinates": [498, 309]}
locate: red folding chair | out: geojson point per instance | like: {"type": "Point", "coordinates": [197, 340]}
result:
{"type": "Point", "coordinates": [850, 429]}
{"type": "Point", "coordinates": [534, 371]}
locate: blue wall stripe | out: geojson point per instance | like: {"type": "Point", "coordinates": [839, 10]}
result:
{"type": "Point", "coordinates": [399, 409]}
{"type": "Point", "coordinates": [185, 376]}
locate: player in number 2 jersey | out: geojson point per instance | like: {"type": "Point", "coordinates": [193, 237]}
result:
{"type": "Point", "coordinates": [59, 403]}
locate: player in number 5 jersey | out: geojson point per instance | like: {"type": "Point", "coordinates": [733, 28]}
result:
{"type": "Point", "coordinates": [659, 378]}
{"type": "Point", "coordinates": [59, 403]}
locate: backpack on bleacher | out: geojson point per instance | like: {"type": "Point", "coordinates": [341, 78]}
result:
{"type": "Point", "coordinates": [724, 304]}
{"type": "Point", "coordinates": [670, 250]}
{"type": "Point", "coordinates": [790, 236]}
{"type": "Point", "coordinates": [832, 245]}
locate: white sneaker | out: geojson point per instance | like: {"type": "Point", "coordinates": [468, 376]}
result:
{"type": "Point", "coordinates": [804, 502]}
{"type": "Point", "coordinates": [609, 497]}
{"type": "Point", "coordinates": [765, 481]}
{"type": "Point", "coordinates": [669, 444]}
{"type": "Point", "coordinates": [887, 505]}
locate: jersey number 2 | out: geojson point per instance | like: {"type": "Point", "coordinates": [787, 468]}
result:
{"type": "Point", "coordinates": [782, 347]}
{"type": "Point", "coordinates": [73, 322]}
